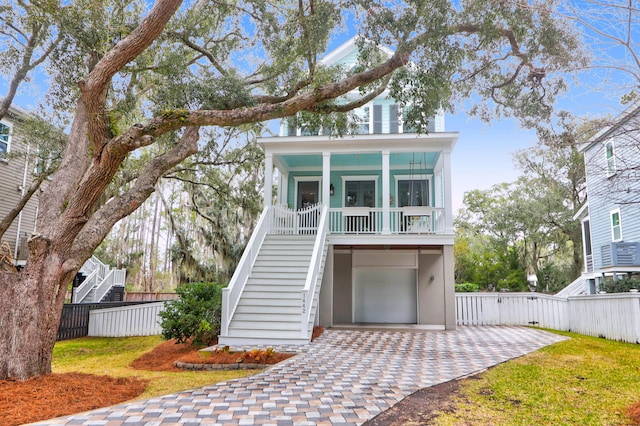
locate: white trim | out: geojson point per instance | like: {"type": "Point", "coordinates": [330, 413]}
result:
{"type": "Point", "coordinates": [394, 142]}
{"type": "Point", "coordinates": [611, 213]}
{"type": "Point", "coordinates": [297, 179]}
{"type": "Point", "coordinates": [374, 178]}
{"type": "Point", "coordinates": [374, 167]}
{"type": "Point", "coordinates": [584, 240]}
{"type": "Point", "coordinates": [581, 210]}
{"type": "Point", "coordinates": [422, 176]}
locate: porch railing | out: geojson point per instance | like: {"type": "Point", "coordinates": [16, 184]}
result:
{"type": "Point", "coordinates": [402, 220]}
{"type": "Point", "coordinates": [99, 277]}
{"type": "Point", "coordinates": [283, 220]}
{"type": "Point", "coordinates": [315, 265]}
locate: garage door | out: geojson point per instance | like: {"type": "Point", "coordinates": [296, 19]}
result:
{"type": "Point", "coordinates": [385, 295]}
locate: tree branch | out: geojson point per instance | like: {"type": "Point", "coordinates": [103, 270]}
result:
{"type": "Point", "coordinates": [97, 227]}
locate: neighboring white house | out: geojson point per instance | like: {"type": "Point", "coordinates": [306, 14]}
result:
{"type": "Point", "coordinates": [611, 217]}
{"type": "Point", "coordinates": [361, 231]}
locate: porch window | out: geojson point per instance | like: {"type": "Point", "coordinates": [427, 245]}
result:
{"type": "Point", "coordinates": [610, 157]}
{"type": "Point", "coordinates": [616, 226]}
{"type": "Point", "coordinates": [5, 132]}
{"type": "Point", "coordinates": [360, 193]}
{"type": "Point", "coordinates": [413, 192]}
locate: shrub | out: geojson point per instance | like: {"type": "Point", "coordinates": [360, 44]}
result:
{"type": "Point", "coordinates": [195, 315]}
{"type": "Point", "coordinates": [622, 285]}
{"type": "Point", "coordinates": [467, 287]}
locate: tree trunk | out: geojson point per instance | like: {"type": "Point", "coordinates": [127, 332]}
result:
{"type": "Point", "coordinates": [30, 309]}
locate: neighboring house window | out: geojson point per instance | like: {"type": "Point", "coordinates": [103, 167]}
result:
{"type": "Point", "coordinates": [359, 193]}
{"type": "Point", "coordinates": [611, 158]}
{"type": "Point", "coordinates": [413, 192]}
{"type": "Point", "coordinates": [5, 133]}
{"type": "Point", "coordinates": [616, 225]}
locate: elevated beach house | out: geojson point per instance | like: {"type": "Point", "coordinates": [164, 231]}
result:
{"type": "Point", "coordinates": [360, 231]}
{"type": "Point", "coordinates": [611, 217]}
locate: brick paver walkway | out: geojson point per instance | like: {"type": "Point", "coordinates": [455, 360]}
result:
{"type": "Point", "coordinates": [345, 377]}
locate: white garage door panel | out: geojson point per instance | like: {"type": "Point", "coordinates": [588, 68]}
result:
{"type": "Point", "coordinates": [385, 295]}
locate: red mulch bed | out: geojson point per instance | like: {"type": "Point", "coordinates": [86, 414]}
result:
{"type": "Point", "coordinates": [634, 413]}
{"type": "Point", "coordinates": [56, 395]}
{"type": "Point", "coordinates": [222, 357]}
{"type": "Point", "coordinates": [162, 357]}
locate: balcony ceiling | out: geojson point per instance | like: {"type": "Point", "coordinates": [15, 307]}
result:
{"type": "Point", "coordinates": [398, 160]}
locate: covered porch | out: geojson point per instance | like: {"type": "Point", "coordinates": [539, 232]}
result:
{"type": "Point", "coordinates": [372, 184]}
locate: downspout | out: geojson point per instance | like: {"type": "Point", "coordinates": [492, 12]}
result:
{"type": "Point", "coordinates": [22, 191]}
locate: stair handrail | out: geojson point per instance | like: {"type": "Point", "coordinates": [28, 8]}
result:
{"type": "Point", "coordinates": [85, 287]}
{"type": "Point", "coordinates": [104, 286]}
{"type": "Point", "coordinates": [231, 294]}
{"type": "Point", "coordinates": [307, 293]}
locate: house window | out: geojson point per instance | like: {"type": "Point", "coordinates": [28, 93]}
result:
{"type": "Point", "coordinates": [616, 225]}
{"type": "Point", "coordinates": [359, 193]}
{"type": "Point", "coordinates": [406, 127]}
{"type": "Point", "coordinates": [5, 132]}
{"type": "Point", "coordinates": [413, 192]}
{"type": "Point", "coordinates": [610, 157]}
{"type": "Point", "coordinates": [363, 121]}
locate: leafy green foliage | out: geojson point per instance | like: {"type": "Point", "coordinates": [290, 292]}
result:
{"type": "Point", "coordinates": [527, 226]}
{"type": "Point", "coordinates": [195, 315]}
{"type": "Point", "coordinates": [467, 288]}
{"type": "Point", "coordinates": [620, 285]}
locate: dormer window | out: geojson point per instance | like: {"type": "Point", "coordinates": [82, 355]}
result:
{"type": "Point", "coordinates": [364, 118]}
{"type": "Point", "coordinates": [610, 158]}
{"type": "Point", "coordinates": [5, 133]}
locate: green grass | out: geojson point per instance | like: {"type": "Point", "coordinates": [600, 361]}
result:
{"type": "Point", "coordinates": [112, 356]}
{"type": "Point", "coordinates": [584, 380]}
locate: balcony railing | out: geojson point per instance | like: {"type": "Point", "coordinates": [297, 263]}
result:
{"type": "Point", "coordinates": [402, 220]}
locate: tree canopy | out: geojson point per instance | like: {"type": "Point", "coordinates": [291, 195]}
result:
{"type": "Point", "coordinates": [130, 75]}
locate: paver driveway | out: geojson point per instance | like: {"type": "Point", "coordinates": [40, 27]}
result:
{"type": "Point", "coordinates": [344, 377]}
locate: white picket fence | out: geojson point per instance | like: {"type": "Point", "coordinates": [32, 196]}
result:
{"type": "Point", "coordinates": [124, 321]}
{"type": "Point", "coordinates": [611, 316]}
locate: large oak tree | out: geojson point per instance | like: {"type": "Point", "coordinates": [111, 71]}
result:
{"type": "Point", "coordinates": [136, 76]}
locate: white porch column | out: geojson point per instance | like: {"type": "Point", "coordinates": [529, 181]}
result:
{"type": "Point", "coordinates": [284, 187]}
{"type": "Point", "coordinates": [326, 178]}
{"type": "Point", "coordinates": [268, 179]}
{"type": "Point", "coordinates": [448, 204]}
{"type": "Point", "coordinates": [386, 228]}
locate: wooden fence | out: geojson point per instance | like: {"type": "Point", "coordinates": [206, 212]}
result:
{"type": "Point", "coordinates": [74, 322]}
{"type": "Point", "coordinates": [611, 316]}
{"type": "Point", "coordinates": [141, 296]}
{"type": "Point", "coordinates": [139, 320]}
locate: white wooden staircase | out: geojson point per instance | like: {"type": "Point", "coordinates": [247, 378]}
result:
{"type": "Point", "coordinates": [276, 302]}
{"type": "Point", "coordinates": [98, 280]}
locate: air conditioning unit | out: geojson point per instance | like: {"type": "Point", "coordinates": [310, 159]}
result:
{"type": "Point", "coordinates": [621, 254]}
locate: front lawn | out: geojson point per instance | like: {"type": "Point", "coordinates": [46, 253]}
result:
{"type": "Point", "coordinates": [113, 356]}
{"type": "Point", "coordinates": [581, 381]}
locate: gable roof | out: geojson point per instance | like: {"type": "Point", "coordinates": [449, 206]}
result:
{"type": "Point", "coordinates": [347, 52]}
{"type": "Point", "coordinates": [629, 113]}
